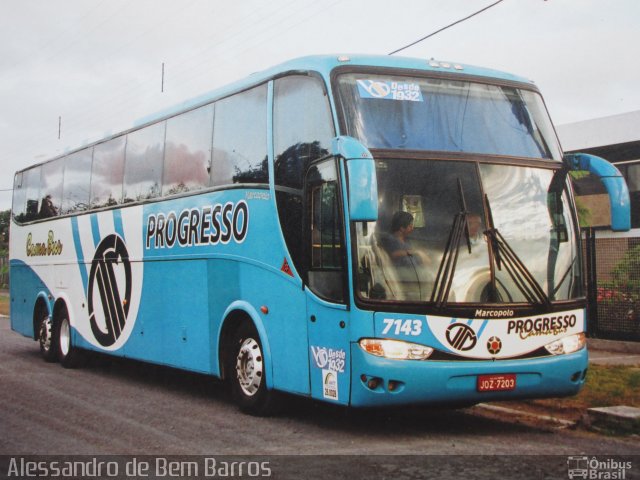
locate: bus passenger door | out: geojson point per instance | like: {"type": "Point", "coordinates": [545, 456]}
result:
{"type": "Point", "coordinates": [327, 313]}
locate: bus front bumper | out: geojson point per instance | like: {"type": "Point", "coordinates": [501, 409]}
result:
{"type": "Point", "coordinates": [378, 381]}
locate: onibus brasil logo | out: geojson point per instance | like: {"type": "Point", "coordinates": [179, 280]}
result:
{"type": "Point", "coordinates": [109, 292]}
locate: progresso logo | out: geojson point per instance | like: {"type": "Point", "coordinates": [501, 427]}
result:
{"type": "Point", "coordinates": [109, 292]}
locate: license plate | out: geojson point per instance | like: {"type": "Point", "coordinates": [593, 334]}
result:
{"type": "Point", "coordinates": [496, 383]}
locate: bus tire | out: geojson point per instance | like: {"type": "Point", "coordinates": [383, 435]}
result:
{"type": "Point", "coordinates": [46, 337]}
{"type": "Point", "coordinates": [70, 356]}
{"type": "Point", "coordinates": [247, 373]}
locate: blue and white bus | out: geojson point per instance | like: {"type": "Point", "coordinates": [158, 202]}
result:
{"type": "Point", "coordinates": [367, 231]}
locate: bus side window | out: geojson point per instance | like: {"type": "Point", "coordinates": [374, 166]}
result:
{"type": "Point", "coordinates": [240, 139]}
{"type": "Point", "coordinates": [107, 172]}
{"type": "Point", "coordinates": [187, 158]}
{"type": "Point", "coordinates": [51, 189]}
{"type": "Point", "coordinates": [143, 163]}
{"type": "Point", "coordinates": [19, 197]}
{"type": "Point", "coordinates": [302, 130]}
{"type": "Point", "coordinates": [30, 196]}
{"type": "Point", "coordinates": [325, 240]}
{"type": "Point", "coordinates": [77, 180]}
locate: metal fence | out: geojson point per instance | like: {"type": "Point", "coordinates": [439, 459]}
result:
{"type": "Point", "coordinates": [613, 280]}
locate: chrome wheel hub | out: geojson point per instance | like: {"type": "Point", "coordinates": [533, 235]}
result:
{"type": "Point", "coordinates": [249, 367]}
{"type": "Point", "coordinates": [45, 334]}
{"type": "Point", "coordinates": [65, 337]}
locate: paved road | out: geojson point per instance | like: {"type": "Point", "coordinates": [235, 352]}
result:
{"type": "Point", "coordinates": [128, 408]}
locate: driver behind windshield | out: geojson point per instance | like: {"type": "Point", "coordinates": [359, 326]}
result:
{"type": "Point", "coordinates": [397, 244]}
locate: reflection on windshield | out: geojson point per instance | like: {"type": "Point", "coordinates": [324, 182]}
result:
{"type": "Point", "coordinates": [536, 224]}
{"type": "Point", "coordinates": [413, 113]}
{"type": "Point", "coordinates": [430, 243]}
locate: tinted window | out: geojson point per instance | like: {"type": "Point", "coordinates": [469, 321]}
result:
{"type": "Point", "coordinates": [107, 172]}
{"type": "Point", "coordinates": [303, 130]}
{"type": "Point", "coordinates": [187, 158]}
{"type": "Point", "coordinates": [19, 196]}
{"type": "Point", "coordinates": [31, 182]}
{"type": "Point", "coordinates": [143, 163]}
{"type": "Point", "coordinates": [302, 126]}
{"type": "Point", "coordinates": [51, 189]}
{"type": "Point", "coordinates": [325, 241]}
{"type": "Point", "coordinates": [77, 179]}
{"type": "Point", "coordinates": [240, 138]}
{"type": "Point", "coordinates": [416, 113]}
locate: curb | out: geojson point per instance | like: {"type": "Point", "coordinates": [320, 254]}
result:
{"type": "Point", "coordinates": [558, 422]}
{"type": "Point", "coordinates": [615, 346]}
{"type": "Point", "coordinates": [618, 420]}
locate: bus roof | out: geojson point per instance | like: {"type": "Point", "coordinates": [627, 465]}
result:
{"type": "Point", "coordinates": [324, 65]}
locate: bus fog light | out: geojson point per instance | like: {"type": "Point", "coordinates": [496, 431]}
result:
{"type": "Point", "coordinates": [395, 349]}
{"type": "Point", "coordinates": [569, 344]}
{"type": "Point", "coordinates": [373, 383]}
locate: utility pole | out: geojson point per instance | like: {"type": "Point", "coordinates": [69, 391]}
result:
{"type": "Point", "coordinates": [162, 83]}
{"type": "Point", "coordinates": [59, 127]}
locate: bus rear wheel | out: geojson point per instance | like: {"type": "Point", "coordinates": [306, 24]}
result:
{"type": "Point", "coordinates": [70, 356]}
{"type": "Point", "coordinates": [46, 338]}
{"type": "Point", "coordinates": [247, 373]}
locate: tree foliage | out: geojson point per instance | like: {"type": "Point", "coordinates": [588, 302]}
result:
{"type": "Point", "coordinates": [626, 274]}
{"type": "Point", "coordinates": [5, 220]}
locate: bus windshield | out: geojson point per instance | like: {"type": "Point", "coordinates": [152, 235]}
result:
{"type": "Point", "coordinates": [417, 113]}
{"type": "Point", "coordinates": [467, 232]}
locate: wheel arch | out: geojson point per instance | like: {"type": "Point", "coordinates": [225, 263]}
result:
{"type": "Point", "coordinates": [61, 304]}
{"type": "Point", "coordinates": [235, 315]}
{"type": "Point", "coordinates": [41, 306]}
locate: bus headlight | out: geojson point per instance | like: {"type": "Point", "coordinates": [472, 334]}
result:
{"type": "Point", "coordinates": [395, 349]}
{"type": "Point", "coordinates": [569, 344]}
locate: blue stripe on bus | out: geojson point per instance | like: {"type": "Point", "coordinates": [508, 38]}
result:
{"type": "Point", "coordinates": [117, 222]}
{"type": "Point", "coordinates": [95, 230]}
{"type": "Point", "coordinates": [482, 327]}
{"type": "Point", "coordinates": [78, 246]}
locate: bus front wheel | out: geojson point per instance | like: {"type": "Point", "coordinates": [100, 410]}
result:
{"type": "Point", "coordinates": [247, 373]}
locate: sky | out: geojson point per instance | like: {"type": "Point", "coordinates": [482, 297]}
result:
{"type": "Point", "coordinates": [74, 71]}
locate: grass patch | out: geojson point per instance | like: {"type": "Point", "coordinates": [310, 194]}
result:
{"type": "Point", "coordinates": [606, 386]}
{"type": "Point", "coordinates": [4, 304]}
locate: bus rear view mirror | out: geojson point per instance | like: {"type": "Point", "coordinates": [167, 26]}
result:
{"type": "Point", "coordinates": [613, 182]}
{"type": "Point", "coordinates": [363, 190]}
{"type": "Point", "coordinates": [362, 181]}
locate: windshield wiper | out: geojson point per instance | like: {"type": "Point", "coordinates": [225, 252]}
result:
{"type": "Point", "coordinates": [447, 268]}
{"type": "Point", "coordinates": [564, 277]}
{"type": "Point", "coordinates": [501, 253]}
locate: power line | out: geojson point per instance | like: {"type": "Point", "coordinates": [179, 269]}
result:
{"type": "Point", "coordinates": [444, 28]}
{"type": "Point", "coordinates": [184, 75]}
